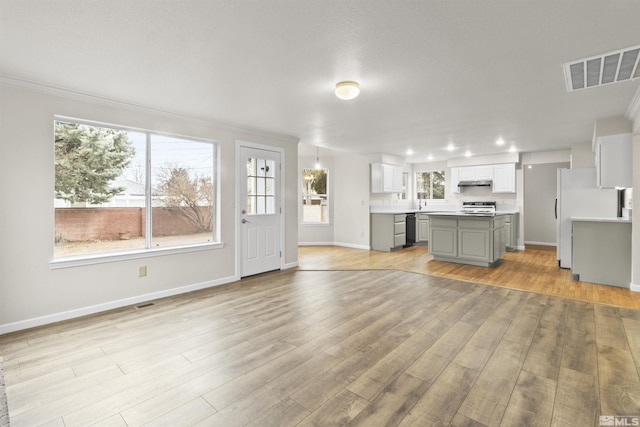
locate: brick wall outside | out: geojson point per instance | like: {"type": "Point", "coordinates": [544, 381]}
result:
{"type": "Point", "coordinates": [80, 224]}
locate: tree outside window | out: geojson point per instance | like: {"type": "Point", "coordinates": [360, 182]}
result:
{"type": "Point", "coordinates": [315, 203]}
{"type": "Point", "coordinates": [430, 185]}
{"type": "Point", "coordinates": [103, 201]}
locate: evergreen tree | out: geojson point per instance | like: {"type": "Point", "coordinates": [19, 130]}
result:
{"type": "Point", "coordinates": [88, 159]}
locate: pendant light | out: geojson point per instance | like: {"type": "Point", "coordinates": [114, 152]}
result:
{"type": "Point", "coordinates": [318, 166]}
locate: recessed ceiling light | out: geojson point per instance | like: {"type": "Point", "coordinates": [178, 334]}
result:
{"type": "Point", "coordinates": [347, 90]}
{"type": "Point", "coordinates": [409, 152]}
{"type": "Point", "coordinates": [467, 153]}
{"type": "Point", "coordinates": [512, 149]}
{"type": "Point", "coordinates": [450, 147]}
{"type": "Point", "coordinates": [529, 167]}
{"type": "Point", "coordinates": [430, 157]}
{"type": "Point", "coordinates": [500, 141]}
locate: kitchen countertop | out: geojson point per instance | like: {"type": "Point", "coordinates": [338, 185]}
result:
{"type": "Point", "coordinates": [393, 211]}
{"type": "Point", "coordinates": [473, 215]}
{"type": "Point", "coordinates": [601, 219]}
{"type": "Point", "coordinates": [433, 211]}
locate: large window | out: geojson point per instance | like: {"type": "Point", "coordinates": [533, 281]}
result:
{"type": "Point", "coordinates": [119, 189]}
{"type": "Point", "coordinates": [430, 185]}
{"type": "Point", "coordinates": [315, 202]}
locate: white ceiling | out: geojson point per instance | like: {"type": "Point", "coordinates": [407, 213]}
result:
{"type": "Point", "coordinates": [431, 72]}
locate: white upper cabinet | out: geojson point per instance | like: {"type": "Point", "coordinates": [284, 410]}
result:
{"type": "Point", "coordinates": [386, 178]}
{"type": "Point", "coordinates": [467, 173]}
{"type": "Point", "coordinates": [484, 172]}
{"type": "Point", "coordinates": [614, 155]}
{"type": "Point", "coordinates": [504, 178]}
{"type": "Point", "coordinates": [502, 175]}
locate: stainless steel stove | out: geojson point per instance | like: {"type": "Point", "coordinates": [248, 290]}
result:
{"type": "Point", "coordinates": [479, 208]}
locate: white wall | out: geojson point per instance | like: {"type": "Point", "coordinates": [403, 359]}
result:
{"type": "Point", "coordinates": [351, 201]}
{"type": "Point", "coordinates": [634, 115]}
{"type": "Point", "coordinates": [582, 156]}
{"type": "Point", "coordinates": [30, 292]}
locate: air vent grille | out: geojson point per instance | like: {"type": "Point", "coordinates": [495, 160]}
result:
{"type": "Point", "coordinates": [611, 67]}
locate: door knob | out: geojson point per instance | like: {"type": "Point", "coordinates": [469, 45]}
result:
{"type": "Point", "coordinates": [244, 221]}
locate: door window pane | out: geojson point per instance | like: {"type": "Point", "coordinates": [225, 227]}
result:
{"type": "Point", "coordinates": [260, 186]}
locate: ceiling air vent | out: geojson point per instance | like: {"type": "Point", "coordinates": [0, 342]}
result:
{"type": "Point", "coordinates": [612, 67]}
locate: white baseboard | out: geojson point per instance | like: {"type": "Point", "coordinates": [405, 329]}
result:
{"type": "Point", "coordinates": [634, 288]}
{"type": "Point", "coordinates": [290, 265]}
{"type": "Point", "coordinates": [349, 245]}
{"type": "Point", "coordinates": [315, 243]}
{"type": "Point", "coordinates": [84, 311]}
{"type": "Point", "coordinates": [344, 245]}
{"type": "Point", "coordinates": [541, 243]}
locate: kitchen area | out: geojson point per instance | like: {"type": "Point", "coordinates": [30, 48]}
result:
{"type": "Point", "coordinates": [481, 217]}
{"type": "Point", "coordinates": [475, 232]}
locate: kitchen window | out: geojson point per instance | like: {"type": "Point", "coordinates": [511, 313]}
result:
{"type": "Point", "coordinates": [430, 185]}
{"type": "Point", "coordinates": [315, 200]}
{"type": "Point", "coordinates": [122, 191]}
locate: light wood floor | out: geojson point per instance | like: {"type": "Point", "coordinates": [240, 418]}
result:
{"type": "Point", "coordinates": [534, 269]}
{"type": "Point", "coordinates": [325, 348]}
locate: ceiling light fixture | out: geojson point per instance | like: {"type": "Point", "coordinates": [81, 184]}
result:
{"type": "Point", "coordinates": [512, 149]}
{"type": "Point", "coordinates": [347, 90]}
{"type": "Point", "coordinates": [467, 153]}
{"type": "Point", "coordinates": [409, 152]}
{"type": "Point", "coordinates": [500, 141]}
{"type": "Point", "coordinates": [430, 157]}
{"type": "Point", "coordinates": [450, 147]}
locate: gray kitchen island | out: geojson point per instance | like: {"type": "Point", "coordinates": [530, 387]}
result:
{"type": "Point", "coordinates": [467, 238]}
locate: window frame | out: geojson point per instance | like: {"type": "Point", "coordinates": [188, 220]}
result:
{"type": "Point", "coordinates": [430, 172]}
{"type": "Point", "coordinates": [327, 195]}
{"type": "Point", "coordinates": [148, 251]}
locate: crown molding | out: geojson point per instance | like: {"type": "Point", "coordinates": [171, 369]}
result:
{"type": "Point", "coordinates": [123, 105]}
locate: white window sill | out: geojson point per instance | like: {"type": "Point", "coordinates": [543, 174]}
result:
{"type": "Point", "coordinates": [90, 259]}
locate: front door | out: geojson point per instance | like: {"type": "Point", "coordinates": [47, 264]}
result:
{"type": "Point", "coordinates": [259, 218]}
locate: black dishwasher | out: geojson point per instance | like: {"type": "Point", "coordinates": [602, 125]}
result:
{"type": "Point", "coordinates": [410, 230]}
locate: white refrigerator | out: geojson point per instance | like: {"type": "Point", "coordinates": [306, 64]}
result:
{"type": "Point", "coordinates": [578, 196]}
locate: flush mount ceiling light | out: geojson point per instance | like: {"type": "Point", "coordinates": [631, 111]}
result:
{"type": "Point", "coordinates": [347, 90]}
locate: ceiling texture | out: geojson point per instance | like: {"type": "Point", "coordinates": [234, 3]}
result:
{"type": "Point", "coordinates": [431, 73]}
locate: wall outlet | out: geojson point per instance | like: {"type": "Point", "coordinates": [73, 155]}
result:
{"type": "Point", "coordinates": [142, 271]}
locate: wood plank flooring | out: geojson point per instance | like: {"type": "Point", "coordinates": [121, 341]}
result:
{"type": "Point", "coordinates": [534, 269]}
{"type": "Point", "coordinates": [327, 348]}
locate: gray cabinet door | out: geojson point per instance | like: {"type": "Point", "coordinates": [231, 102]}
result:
{"type": "Point", "coordinates": [474, 244]}
{"type": "Point", "coordinates": [444, 242]}
{"type": "Point", "coordinates": [499, 244]}
{"type": "Point", "coordinates": [423, 230]}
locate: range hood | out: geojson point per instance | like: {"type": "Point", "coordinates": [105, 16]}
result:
{"type": "Point", "coordinates": [477, 183]}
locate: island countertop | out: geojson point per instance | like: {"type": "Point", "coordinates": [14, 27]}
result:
{"type": "Point", "coordinates": [601, 219]}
